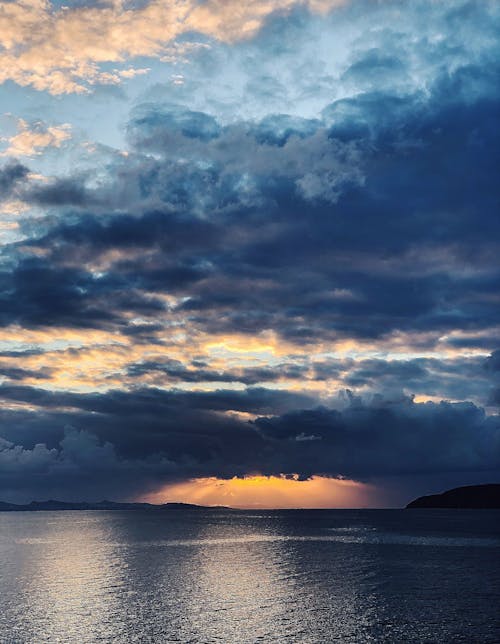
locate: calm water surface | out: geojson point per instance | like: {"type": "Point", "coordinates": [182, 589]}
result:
{"type": "Point", "coordinates": [238, 577]}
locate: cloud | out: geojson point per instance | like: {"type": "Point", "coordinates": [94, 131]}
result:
{"type": "Point", "coordinates": [148, 438]}
{"type": "Point", "coordinates": [312, 208]}
{"type": "Point", "coordinates": [11, 175]}
{"type": "Point", "coordinates": [176, 371]}
{"type": "Point", "coordinates": [80, 462]}
{"type": "Point", "coordinates": [339, 210]}
{"type": "Point", "coordinates": [73, 49]}
{"type": "Point", "coordinates": [63, 50]}
{"type": "Point", "coordinates": [32, 139]}
{"type": "Point", "coordinates": [14, 457]}
{"type": "Point", "coordinates": [385, 437]}
{"type": "Point", "coordinates": [18, 373]}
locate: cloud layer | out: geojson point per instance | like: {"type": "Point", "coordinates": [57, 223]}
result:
{"type": "Point", "coordinates": [134, 442]}
{"type": "Point", "coordinates": [312, 209]}
{"type": "Point", "coordinates": [64, 49]}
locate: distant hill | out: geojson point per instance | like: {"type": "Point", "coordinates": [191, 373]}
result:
{"type": "Point", "coordinates": [54, 506]}
{"type": "Point", "coordinates": [471, 496]}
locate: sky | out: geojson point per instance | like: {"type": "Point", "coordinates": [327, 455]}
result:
{"type": "Point", "coordinates": [249, 252]}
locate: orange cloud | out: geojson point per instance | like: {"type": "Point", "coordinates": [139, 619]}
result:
{"type": "Point", "coordinates": [91, 359]}
{"type": "Point", "coordinates": [31, 140]}
{"type": "Point", "coordinates": [61, 50]}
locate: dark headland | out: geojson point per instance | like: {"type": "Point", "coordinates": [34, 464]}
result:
{"type": "Point", "coordinates": [53, 506]}
{"type": "Point", "coordinates": [468, 497]}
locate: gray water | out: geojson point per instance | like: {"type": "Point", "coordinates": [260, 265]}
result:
{"type": "Point", "coordinates": [238, 577]}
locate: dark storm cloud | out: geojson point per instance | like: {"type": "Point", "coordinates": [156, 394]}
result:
{"type": "Point", "coordinates": [176, 371]}
{"type": "Point", "coordinates": [160, 230]}
{"type": "Point", "coordinates": [149, 434]}
{"type": "Point", "coordinates": [387, 438]}
{"type": "Point", "coordinates": [492, 363]}
{"type": "Point", "coordinates": [18, 373]}
{"type": "Point", "coordinates": [371, 214]}
{"type": "Point", "coordinates": [36, 293]}
{"type": "Point", "coordinates": [146, 438]}
{"type": "Point", "coordinates": [492, 367]}
{"type": "Point", "coordinates": [162, 127]}
{"type": "Point", "coordinates": [61, 192]}
{"type": "Point", "coordinates": [139, 401]}
{"type": "Point", "coordinates": [11, 174]}
{"type": "Point", "coordinates": [40, 293]}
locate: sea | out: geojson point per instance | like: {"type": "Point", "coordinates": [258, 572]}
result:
{"type": "Point", "coordinates": [236, 577]}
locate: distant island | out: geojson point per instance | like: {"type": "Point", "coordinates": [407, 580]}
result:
{"type": "Point", "coordinates": [54, 506]}
{"type": "Point", "coordinates": [471, 496]}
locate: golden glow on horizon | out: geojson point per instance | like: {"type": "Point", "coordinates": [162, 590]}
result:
{"type": "Point", "coordinates": [268, 492]}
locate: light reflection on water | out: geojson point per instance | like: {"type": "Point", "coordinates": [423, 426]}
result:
{"type": "Point", "coordinates": [239, 577]}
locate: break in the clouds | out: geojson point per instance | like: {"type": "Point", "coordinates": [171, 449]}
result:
{"type": "Point", "coordinates": [272, 249]}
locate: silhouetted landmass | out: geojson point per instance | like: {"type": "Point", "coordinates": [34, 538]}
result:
{"type": "Point", "coordinates": [39, 506]}
{"type": "Point", "coordinates": [471, 496]}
